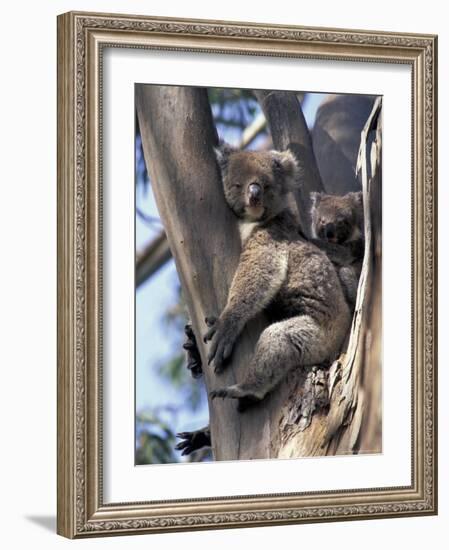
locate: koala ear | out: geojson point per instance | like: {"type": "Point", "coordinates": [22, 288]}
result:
{"type": "Point", "coordinates": [357, 197]}
{"type": "Point", "coordinates": [285, 161]}
{"type": "Point", "coordinates": [222, 153]}
{"type": "Point", "coordinates": [315, 197]}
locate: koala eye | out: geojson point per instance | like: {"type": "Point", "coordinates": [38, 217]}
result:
{"type": "Point", "coordinates": [237, 185]}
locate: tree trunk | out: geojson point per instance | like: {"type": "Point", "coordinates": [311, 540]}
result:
{"type": "Point", "coordinates": [354, 423]}
{"type": "Point", "coordinates": [178, 136]}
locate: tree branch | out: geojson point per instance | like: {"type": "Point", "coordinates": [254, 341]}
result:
{"type": "Point", "coordinates": [289, 130]}
{"type": "Point", "coordinates": [252, 131]}
{"type": "Point", "coordinates": [152, 257]}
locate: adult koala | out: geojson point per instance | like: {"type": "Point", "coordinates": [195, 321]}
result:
{"type": "Point", "coordinates": [279, 272]}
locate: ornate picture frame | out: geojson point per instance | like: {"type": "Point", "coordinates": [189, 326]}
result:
{"type": "Point", "coordinates": [82, 38]}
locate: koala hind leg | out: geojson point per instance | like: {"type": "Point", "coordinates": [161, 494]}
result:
{"type": "Point", "coordinates": [282, 346]}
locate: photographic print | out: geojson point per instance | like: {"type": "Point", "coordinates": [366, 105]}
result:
{"type": "Point", "coordinates": [262, 209]}
{"type": "Point", "coordinates": [246, 283]}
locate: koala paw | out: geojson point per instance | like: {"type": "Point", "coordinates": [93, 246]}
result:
{"type": "Point", "coordinates": [211, 322]}
{"type": "Point", "coordinates": [222, 336]}
{"type": "Point", "coordinates": [192, 441]}
{"type": "Point", "coordinates": [245, 396]}
{"type": "Point", "coordinates": [193, 354]}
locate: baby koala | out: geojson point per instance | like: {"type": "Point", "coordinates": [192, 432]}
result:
{"type": "Point", "coordinates": [338, 229]}
{"type": "Point", "coordinates": [279, 272]}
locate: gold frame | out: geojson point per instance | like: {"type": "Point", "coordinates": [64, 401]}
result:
{"type": "Point", "coordinates": [81, 37]}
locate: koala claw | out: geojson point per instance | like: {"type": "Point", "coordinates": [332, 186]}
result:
{"type": "Point", "coordinates": [192, 441]}
{"type": "Point", "coordinates": [193, 354]}
{"type": "Point", "coordinates": [223, 336]}
{"type": "Point", "coordinates": [221, 392]}
{"type": "Point", "coordinates": [245, 398]}
{"type": "Point", "coordinates": [233, 392]}
{"type": "Point", "coordinates": [211, 322]}
{"type": "Point", "coordinates": [220, 352]}
{"type": "Point", "coordinates": [209, 334]}
{"type": "Point", "coordinates": [226, 354]}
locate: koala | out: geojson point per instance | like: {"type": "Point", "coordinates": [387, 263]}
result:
{"type": "Point", "coordinates": [279, 272]}
{"type": "Point", "coordinates": [337, 228]}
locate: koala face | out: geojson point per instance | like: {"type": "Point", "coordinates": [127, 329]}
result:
{"type": "Point", "coordinates": [337, 219]}
{"type": "Point", "coordinates": [256, 183]}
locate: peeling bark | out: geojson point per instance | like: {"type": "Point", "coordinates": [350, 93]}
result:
{"type": "Point", "coordinates": [353, 421]}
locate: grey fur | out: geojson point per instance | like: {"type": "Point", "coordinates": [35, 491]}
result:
{"type": "Point", "coordinates": [345, 248]}
{"type": "Point", "coordinates": [279, 272]}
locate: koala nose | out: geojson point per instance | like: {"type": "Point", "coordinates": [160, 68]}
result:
{"type": "Point", "coordinates": [329, 230]}
{"type": "Point", "coordinates": [255, 191]}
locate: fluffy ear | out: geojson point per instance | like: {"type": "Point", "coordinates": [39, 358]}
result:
{"type": "Point", "coordinates": [357, 197]}
{"type": "Point", "coordinates": [285, 162]}
{"type": "Point", "coordinates": [315, 197]}
{"type": "Point", "coordinates": [222, 153]}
